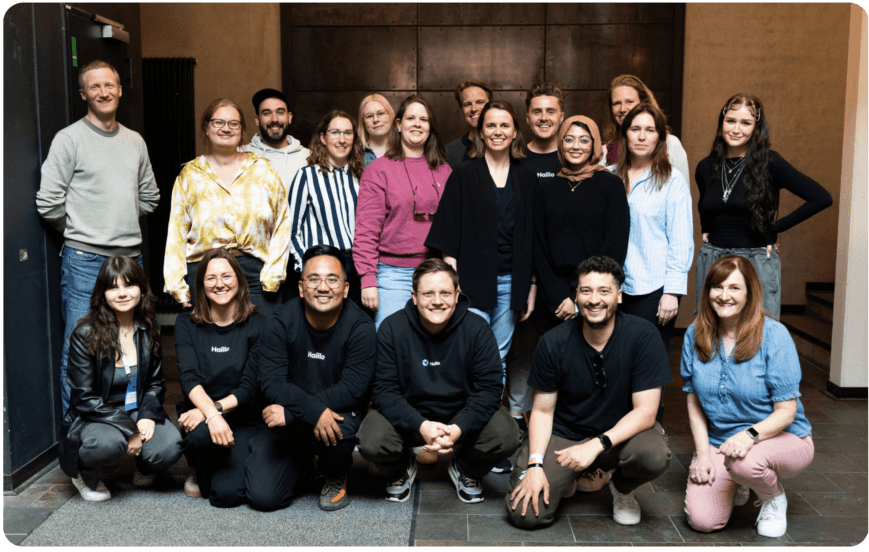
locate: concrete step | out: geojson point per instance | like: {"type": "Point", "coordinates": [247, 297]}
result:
{"type": "Point", "coordinates": [812, 337]}
{"type": "Point", "coordinates": [819, 305]}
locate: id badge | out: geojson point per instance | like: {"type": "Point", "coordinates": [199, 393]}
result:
{"type": "Point", "coordinates": [130, 402]}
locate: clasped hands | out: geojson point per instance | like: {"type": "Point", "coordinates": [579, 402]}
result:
{"type": "Point", "coordinates": [220, 432]}
{"type": "Point", "coordinates": [702, 470]}
{"type": "Point", "coordinates": [439, 438]}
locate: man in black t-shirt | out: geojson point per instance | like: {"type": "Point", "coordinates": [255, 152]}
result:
{"type": "Point", "coordinates": [471, 95]}
{"type": "Point", "coordinates": [544, 103]}
{"type": "Point", "coordinates": [317, 357]}
{"type": "Point", "coordinates": [597, 381]}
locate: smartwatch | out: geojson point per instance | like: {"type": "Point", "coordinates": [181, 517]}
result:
{"type": "Point", "coordinates": [218, 406]}
{"type": "Point", "coordinates": [753, 434]}
{"type": "Point", "coordinates": [605, 441]}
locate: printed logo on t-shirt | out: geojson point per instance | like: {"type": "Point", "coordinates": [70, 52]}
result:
{"type": "Point", "coordinates": [219, 349]}
{"type": "Point", "coordinates": [425, 362]}
{"type": "Point", "coordinates": [318, 356]}
{"type": "Point", "coordinates": [545, 175]}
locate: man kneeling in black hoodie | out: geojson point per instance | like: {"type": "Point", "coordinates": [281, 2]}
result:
{"type": "Point", "coordinates": [437, 384]}
{"type": "Point", "coordinates": [316, 362]}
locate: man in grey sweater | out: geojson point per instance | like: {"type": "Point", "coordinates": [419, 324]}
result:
{"type": "Point", "coordinates": [96, 183]}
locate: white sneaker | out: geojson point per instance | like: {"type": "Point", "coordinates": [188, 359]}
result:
{"type": "Point", "coordinates": [143, 480]}
{"type": "Point", "coordinates": [626, 509]}
{"type": "Point", "coordinates": [741, 497]}
{"type": "Point", "coordinates": [191, 485]}
{"type": "Point", "coordinates": [99, 494]}
{"type": "Point", "coordinates": [772, 520]}
{"type": "Point", "coordinates": [591, 481]}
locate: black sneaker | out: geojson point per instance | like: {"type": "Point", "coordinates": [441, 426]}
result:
{"type": "Point", "coordinates": [334, 494]}
{"type": "Point", "coordinates": [398, 486]}
{"type": "Point", "coordinates": [503, 466]}
{"type": "Point", "coordinates": [468, 488]}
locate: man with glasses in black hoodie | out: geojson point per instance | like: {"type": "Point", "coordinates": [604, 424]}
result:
{"type": "Point", "coordinates": [597, 385]}
{"type": "Point", "coordinates": [437, 385]}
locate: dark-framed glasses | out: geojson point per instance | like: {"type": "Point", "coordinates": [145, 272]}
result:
{"type": "Point", "coordinates": [599, 375]}
{"type": "Point", "coordinates": [219, 123]}
{"type": "Point", "coordinates": [313, 282]}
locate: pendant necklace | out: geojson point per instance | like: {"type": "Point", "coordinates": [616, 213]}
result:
{"type": "Point", "coordinates": [574, 187]}
{"type": "Point", "coordinates": [728, 184]}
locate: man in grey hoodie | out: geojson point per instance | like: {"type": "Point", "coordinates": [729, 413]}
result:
{"type": "Point", "coordinates": [273, 117]}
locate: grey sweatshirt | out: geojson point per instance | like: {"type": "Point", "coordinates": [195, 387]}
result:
{"type": "Point", "coordinates": [287, 161]}
{"type": "Point", "coordinates": [95, 186]}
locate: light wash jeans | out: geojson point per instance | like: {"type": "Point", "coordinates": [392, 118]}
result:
{"type": "Point", "coordinates": [503, 322]}
{"type": "Point", "coordinates": [394, 284]}
{"type": "Point", "coordinates": [78, 275]}
{"type": "Point", "coordinates": [768, 270]}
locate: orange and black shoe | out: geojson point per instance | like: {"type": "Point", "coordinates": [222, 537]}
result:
{"type": "Point", "coordinates": [334, 494]}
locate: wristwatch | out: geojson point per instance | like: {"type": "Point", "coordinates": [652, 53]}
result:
{"type": "Point", "coordinates": [218, 406]}
{"type": "Point", "coordinates": [605, 441]}
{"type": "Point", "coordinates": [753, 434]}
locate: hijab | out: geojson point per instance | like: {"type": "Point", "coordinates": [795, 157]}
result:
{"type": "Point", "coordinates": [592, 165]}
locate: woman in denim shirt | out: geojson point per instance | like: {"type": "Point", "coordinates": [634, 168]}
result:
{"type": "Point", "coordinates": [742, 376]}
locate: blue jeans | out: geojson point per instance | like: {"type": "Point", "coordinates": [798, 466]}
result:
{"type": "Point", "coordinates": [394, 284]}
{"type": "Point", "coordinates": [503, 321]}
{"type": "Point", "coordinates": [78, 275]}
{"type": "Point", "coordinates": [768, 270]}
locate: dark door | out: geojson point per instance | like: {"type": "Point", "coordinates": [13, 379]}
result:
{"type": "Point", "coordinates": [87, 45]}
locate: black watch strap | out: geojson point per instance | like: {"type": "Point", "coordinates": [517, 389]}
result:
{"type": "Point", "coordinates": [605, 441]}
{"type": "Point", "coordinates": [753, 434]}
{"type": "Point", "coordinates": [218, 406]}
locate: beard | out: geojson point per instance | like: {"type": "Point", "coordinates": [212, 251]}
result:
{"type": "Point", "coordinates": [274, 133]}
{"type": "Point", "coordinates": [609, 313]}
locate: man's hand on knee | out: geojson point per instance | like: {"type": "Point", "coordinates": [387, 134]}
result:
{"type": "Point", "coordinates": [327, 430]}
{"type": "Point", "coordinates": [273, 415]}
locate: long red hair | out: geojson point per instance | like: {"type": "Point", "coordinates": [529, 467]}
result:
{"type": "Point", "coordinates": [749, 335]}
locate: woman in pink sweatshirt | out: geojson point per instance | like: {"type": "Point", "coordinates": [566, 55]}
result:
{"type": "Point", "coordinates": [398, 196]}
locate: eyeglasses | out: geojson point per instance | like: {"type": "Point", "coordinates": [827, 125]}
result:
{"type": "Point", "coordinates": [227, 279]}
{"type": "Point", "coordinates": [570, 140]}
{"type": "Point", "coordinates": [429, 295]}
{"type": "Point", "coordinates": [314, 282]}
{"type": "Point", "coordinates": [334, 133]}
{"type": "Point", "coordinates": [599, 375]}
{"type": "Point", "coordinates": [218, 123]}
{"type": "Point", "coordinates": [378, 115]}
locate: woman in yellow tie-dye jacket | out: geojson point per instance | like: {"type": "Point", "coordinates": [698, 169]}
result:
{"type": "Point", "coordinates": [232, 200]}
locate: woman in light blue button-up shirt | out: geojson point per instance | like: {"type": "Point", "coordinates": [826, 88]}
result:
{"type": "Point", "coordinates": [661, 242]}
{"type": "Point", "coordinates": [742, 376]}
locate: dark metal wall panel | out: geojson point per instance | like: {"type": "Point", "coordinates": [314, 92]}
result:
{"type": "Point", "coordinates": [503, 57]}
{"type": "Point", "coordinates": [581, 57]}
{"type": "Point", "coordinates": [354, 14]}
{"type": "Point", "coordinates": [605, 14]}
{"type": "Point", "coordinates": [652, 54]}
{"type": "Point", "coordinates": [356, 58]}
{"type": "Point", "coordinates": [591, 103]}
{"type": "Point", "coordinates": [482, 14]}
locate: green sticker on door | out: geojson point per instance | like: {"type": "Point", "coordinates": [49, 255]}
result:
{"type": "Point", "coordinates": [74, 54]}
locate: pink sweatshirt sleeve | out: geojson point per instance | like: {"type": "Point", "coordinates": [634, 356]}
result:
{"type": "Point", "coordinates": [370, 218]}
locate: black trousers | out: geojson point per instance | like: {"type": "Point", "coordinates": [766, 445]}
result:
{"type": "Point", "coordinates": [220, 470]}
{"type": "Point", "coordinates": [280, 455]}
{"type": "Point", "coordinates": [646, 307]}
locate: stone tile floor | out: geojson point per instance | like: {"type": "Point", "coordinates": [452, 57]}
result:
{"type": "Point", "coordinates": [827, 504]}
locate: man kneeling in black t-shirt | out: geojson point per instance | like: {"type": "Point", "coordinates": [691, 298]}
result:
{"type": "Point", "coordinates": [317, 357]}
{"type": "Point", "coordinates": [597, 384]}
{"type": "Point", "coordinates": [437, 384]}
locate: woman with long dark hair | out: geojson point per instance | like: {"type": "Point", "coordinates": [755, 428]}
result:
{"type": "Point", "coordinates": [216, 346]}
{"type": "Point", "coordinates": [661, 242]}
{"type": "Point", "coordinates": [228, 199]}
{"type": "Point", "coordinates": [115, 374]}
{"type": "Point", "coordinates": [626, 92]}
{"type": "Point", "coordinates": [739, 187]}
{"type": "Point", "coordinates": [398, 197]}
{"type": "Point", "coordinates": [742, 376]}
{"type": "Point", "coordinates": [324, 194]}
{"type": "Point", "coordinates": [583, 212]}
{"type": "Point", "coordinates": [484, 228]}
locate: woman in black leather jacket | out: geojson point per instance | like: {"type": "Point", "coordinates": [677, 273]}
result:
{"type": "Point", "coordinates": [116, 380]}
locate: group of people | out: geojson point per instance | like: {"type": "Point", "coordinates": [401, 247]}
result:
{"type": "Point", "coordinates": [268, 240]}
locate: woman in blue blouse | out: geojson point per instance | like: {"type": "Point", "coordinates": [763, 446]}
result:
{"type": "Point", "coordinates": [742, 376]}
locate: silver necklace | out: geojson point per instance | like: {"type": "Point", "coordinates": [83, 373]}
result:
{"type": "Point", "coordinates": [726, 183]}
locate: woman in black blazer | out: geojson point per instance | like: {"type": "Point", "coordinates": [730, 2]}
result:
{"type": "Point", "coordinates": [116, 382]}
{"type": "Point", "coordinates": [484, 226]}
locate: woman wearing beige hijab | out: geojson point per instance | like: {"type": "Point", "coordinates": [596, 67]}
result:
{"type": "Point", "coordinates": [581, 213]}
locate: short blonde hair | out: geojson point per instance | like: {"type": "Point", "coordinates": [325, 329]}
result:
{"type": "Point", "coordinates": [96, 64]}
{"type": "Point", "coordinates": [361, 131]}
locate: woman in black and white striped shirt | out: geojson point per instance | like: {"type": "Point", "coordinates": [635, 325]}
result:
{"type": "Point", "coordinates": [323, 194]}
